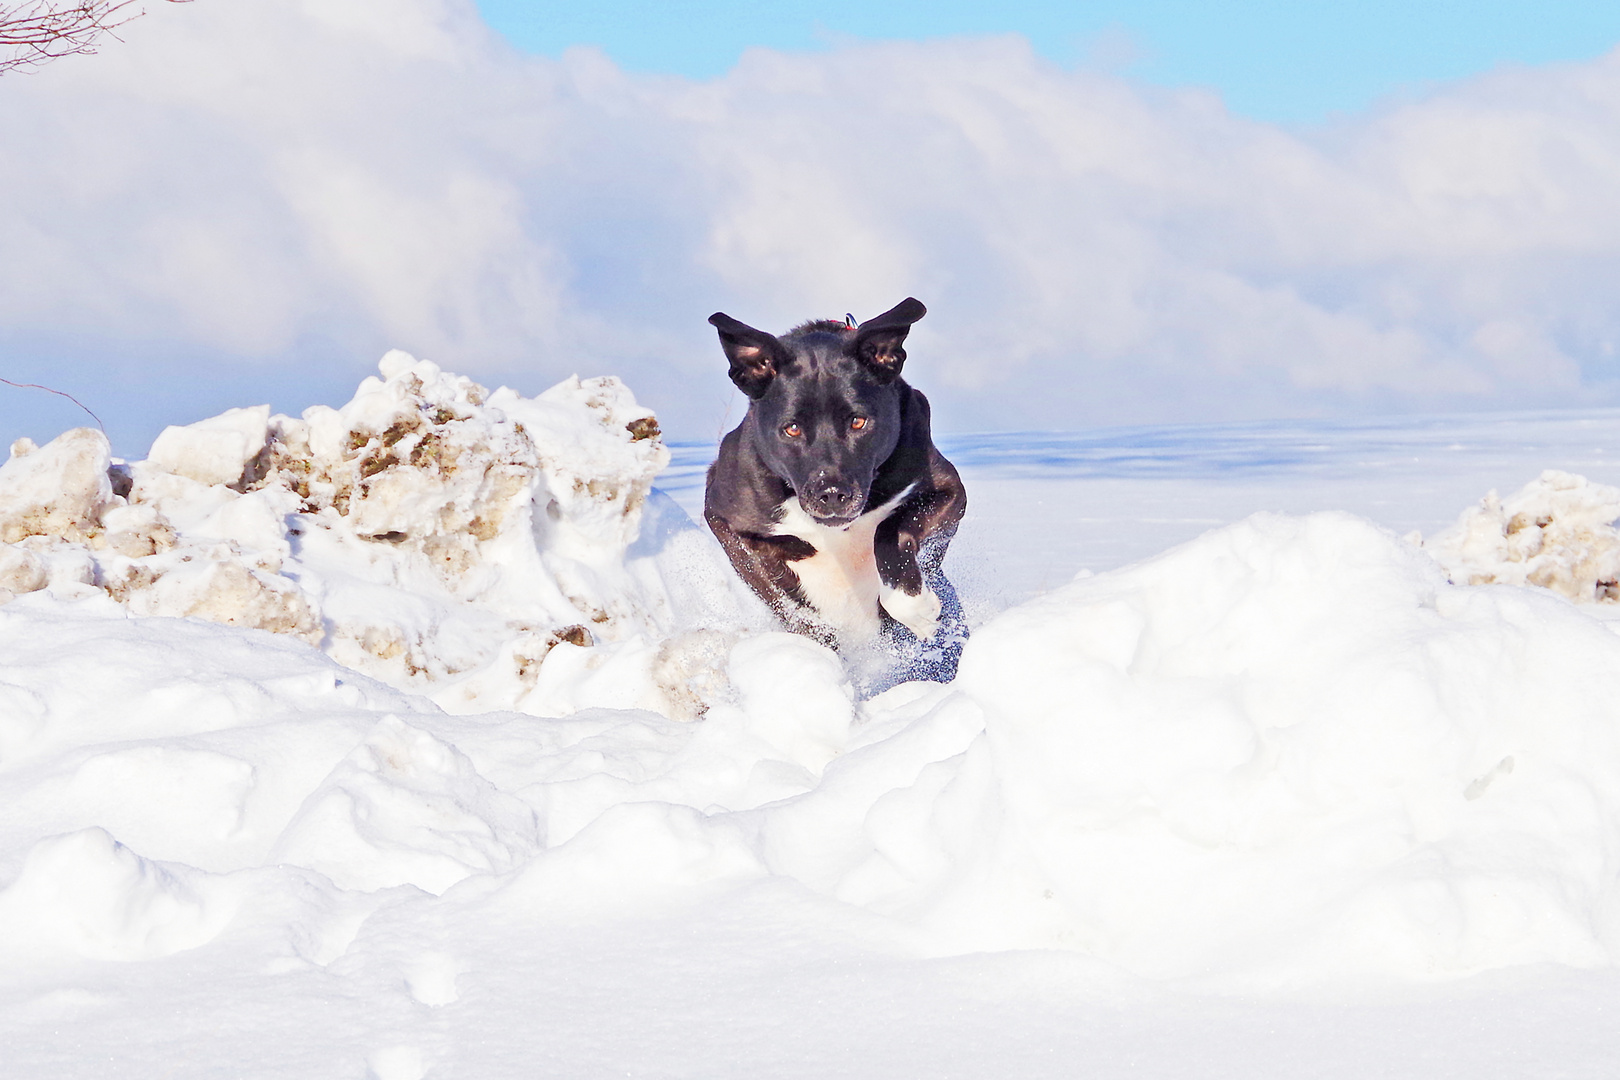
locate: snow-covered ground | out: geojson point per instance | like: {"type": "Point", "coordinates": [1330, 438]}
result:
{"type": "Point", "coordinates": [429, 737]}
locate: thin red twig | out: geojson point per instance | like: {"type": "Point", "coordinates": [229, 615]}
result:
{"type": "Point", "coordinates": [35, 32]}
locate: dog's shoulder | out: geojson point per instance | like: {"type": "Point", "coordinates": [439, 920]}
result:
{"type": "Point", "coordinates": [937, 497]}
{"type": "Point", "coordinates": [912, 462]}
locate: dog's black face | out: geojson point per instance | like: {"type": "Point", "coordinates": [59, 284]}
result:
{"type": "Point", "coordinates": [824, 424]}
{"type": "Point", "coordinates": [824, 410]}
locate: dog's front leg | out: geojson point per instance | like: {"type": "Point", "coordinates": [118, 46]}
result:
{"type": "Point", "coordinates": [764, 564]}
{"type": "Point", "coordinates": [902, 591]}
{"type": "Point", "coordinates": [910, 546]}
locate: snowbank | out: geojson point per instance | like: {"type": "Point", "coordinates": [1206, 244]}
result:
{"type": "Point", "coordinates": [1290, 749]}
{"type": "Point", "coordinates": [509, 686]}
{"type": "Point", "coordinates": [471, 546]}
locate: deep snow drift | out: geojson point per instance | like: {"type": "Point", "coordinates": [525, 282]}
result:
{"type": "Point", "coordinates": [454, 678]}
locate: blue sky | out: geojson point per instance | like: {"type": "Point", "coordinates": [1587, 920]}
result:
{"type": "Point", "coordinates": [1270, 59]}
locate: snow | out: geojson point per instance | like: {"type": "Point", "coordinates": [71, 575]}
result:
{"type": "Point", "coordinates": [429, 533]}
{"type": "Point", "coordinates": [58, 490]}
{"type": "Point", "coordinates": [1557, 532]}
{"type": "Point", "coordinates": [425, 737]}
{"type": "Point", "coordinates": [213, 451]}
{"type": "Point", "coordinates": [1290, 748]}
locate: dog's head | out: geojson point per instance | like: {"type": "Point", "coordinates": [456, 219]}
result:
{"type": "Point", "coordinates": [824, 404]}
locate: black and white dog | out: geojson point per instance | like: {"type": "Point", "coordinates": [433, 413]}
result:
{"type": "Point", "coordinates": [830, 497]}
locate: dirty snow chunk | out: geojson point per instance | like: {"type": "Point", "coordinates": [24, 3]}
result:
{"type": "Point", "coordinates": [1557, 532]}
{"type": "Point", "coordinates": [58, 489]}
{"type": "Point", "coordinates": [427, 532]}
{"type": "Point", "coordinates": [21, 571]}
{"type": "Point", "coordinates": [84, 893]}
{"type": "Point", "coordinates": [598, 453]}
{"type": "Point", "coordinates": [406, 808]}
{"type": "Point", "coordinates": [448, 547]}
{"type": "Point", "coordinates": [226, 590]}
{"type": "Point", "coordinates": [416, 457]}
{"type": "Point", "coordinates": [136, 530]}
{"type": "Point", "coordinates": [213, 451]}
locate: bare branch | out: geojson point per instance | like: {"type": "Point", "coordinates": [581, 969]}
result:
{"type": "Point", "coordinates": [58, 393]}
{"type": "Point", "coordinates": [35, 32]}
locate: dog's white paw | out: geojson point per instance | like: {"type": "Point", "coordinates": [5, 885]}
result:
{"type": "Point", "coordinates": [919, 614]}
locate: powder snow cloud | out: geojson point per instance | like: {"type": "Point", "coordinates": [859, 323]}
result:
{"type": "Point", "coordinates": [271, 194]}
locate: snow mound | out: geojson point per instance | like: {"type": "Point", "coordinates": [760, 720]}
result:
{"type": "Point", "coordinates": [1289, 750]}
{"type": "Point", "coordinates": [1290, 746]}
{"type": "Point", "coordinates": [88, 895]}
{"type": "Point", "coordinates": [1557, 532]}
{"type": "Point", "coordinates": [430, 533]}
{"type": "Point", "coordinates": [405, 808]}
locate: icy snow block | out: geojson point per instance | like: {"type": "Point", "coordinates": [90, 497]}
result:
{"type": "Point", "coordinates": [597, 471]}
{"type": "Point", "coordinates": [1556, 532]}
{"type": "Point", "coordinates": [21, 571]}
{"type": "Point", "coordinates": [230, 592]}
{"type": "Point", "coordinates": [58, 489]}
{"type": "Point", "coordinates": [213, 451]}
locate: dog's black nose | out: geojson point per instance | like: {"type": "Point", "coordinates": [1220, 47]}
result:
{"type": "Point", "coordinates": [833, 499]}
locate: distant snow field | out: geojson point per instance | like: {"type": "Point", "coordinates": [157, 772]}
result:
{"type": "Point", "coordinates": [429, 736]}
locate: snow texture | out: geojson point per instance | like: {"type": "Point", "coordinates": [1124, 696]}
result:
{"type": "Point", "coordinates": [510, 698]}
{"type": "Point", "coordinates": [428, 533]}
{"type": "Point", "coordinates": [1557, 532]}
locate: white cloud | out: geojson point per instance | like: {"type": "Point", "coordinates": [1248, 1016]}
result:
{"type": "Point", "coordinates": [271, 192]}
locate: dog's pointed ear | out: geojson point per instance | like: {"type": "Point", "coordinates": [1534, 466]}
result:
{"type": "Point", "coordinates": [879, 340]}
{"type": "Point", "coordinates": [755, 355]}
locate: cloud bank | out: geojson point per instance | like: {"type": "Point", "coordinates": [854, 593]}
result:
{"type": "Point", "coordinates": [252, 200]}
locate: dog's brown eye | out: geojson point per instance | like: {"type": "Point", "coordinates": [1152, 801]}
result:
{"type": "Point", "coordinates": [792, 431]}
{"type": "Point", "coordinates": [858, 423]}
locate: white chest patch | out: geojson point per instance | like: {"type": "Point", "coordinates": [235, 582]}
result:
{"type": "Point", "coordinates": [841, 579]}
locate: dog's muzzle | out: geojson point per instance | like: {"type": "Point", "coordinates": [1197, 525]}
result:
{"type": "Point", "coordinates": [832, 502]}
